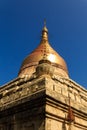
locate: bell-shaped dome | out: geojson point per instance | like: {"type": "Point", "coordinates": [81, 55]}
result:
{"type": "Point", "coordinates": [43, 51]}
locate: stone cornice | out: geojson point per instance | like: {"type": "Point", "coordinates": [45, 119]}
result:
{"type": "Point", "coordinates": [18, 91]}
{"type": "Point", "coordinates": [20, 88]}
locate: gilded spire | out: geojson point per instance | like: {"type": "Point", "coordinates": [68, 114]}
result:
{"type": "Point", "coordinates": [44, 49]}
{"type": "Point", "coordinates": [44, 32]}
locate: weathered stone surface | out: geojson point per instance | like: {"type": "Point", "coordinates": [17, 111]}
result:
{"type": "Point", "coordinates": [42, 104]}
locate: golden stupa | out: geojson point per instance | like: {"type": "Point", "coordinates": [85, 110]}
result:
{"type": "Point", "coordinates": [43, 51]}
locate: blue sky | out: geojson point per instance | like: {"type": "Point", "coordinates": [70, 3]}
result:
{"type": "Point", "coordinates": [21, 22]}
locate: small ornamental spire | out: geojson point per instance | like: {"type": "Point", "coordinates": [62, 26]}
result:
{"type": "Point", "coordinates": [44, 32]}
{"type": "Point", "coordinates": [70, 117]}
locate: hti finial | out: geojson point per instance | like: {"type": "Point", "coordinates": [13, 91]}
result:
{"type": "Point", "coordinates": [44, 22]}
{"type": "Point", "coordinates": [45, 28]}
{"type": "Point", "coordinates": [45, 32]}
